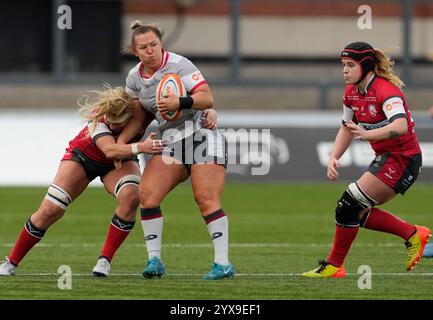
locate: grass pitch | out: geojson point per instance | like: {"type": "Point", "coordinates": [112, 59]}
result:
{"type": "Point", "coordinates": [276, 232]}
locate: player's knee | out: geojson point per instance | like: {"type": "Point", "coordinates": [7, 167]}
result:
{"type": "Point", "coordinates": [131, 181]}
{"type": "Point", "coordinates": [352, 202]}
{"type": "Point", "coordinates": [48, 214]}
{"type": "Point", "coordinates": [129, 199]}
{"type": "Point", "coordinates": [145, 192]}
{"type": "Point", "coordinates": [148, 199]}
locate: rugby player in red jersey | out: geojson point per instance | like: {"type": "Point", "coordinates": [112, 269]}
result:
{"type": "Point", "coordinates": [89, 155]}
{"type": "Point", "coordinates": [374, 110]}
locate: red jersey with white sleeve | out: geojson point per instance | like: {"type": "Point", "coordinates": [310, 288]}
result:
{"type": "Point", "coordinates": [87, 143]}
{"type": "Point", "coordinates": [381, 104]}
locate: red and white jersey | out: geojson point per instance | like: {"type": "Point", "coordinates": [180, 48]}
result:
{"type": "Point", "coordinates": [87, 143]}
{"type": "Point", "coordinates": [381, 104]}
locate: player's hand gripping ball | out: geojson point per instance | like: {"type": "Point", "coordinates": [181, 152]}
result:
{"type": "Point", "coordinates": [170, 83]}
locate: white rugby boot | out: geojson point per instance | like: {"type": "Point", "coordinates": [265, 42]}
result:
{"type": "Point", "coordinates": [7, 268]}
{"type": "Point", "coordinates": [102, 268]}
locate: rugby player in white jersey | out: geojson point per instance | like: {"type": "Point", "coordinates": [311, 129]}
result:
{"type": "Point", "coordinates": [192, 151]}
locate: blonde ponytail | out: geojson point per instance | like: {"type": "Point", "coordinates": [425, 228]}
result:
{"type": "Point", "coordinates": [110, 103]}
{"type": "Point", "coordinates": [384, 68]}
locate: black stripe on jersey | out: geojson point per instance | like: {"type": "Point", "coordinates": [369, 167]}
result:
{"type": "Point", "coordinates": [370, 83]}
{"type": "Point", "coordinates": [375, 122]}
{"type": "Point", "coordinates": [99, 135]}
{"type": "Point", "coordinates": [397, 116]}
{"type": "Point", "coordinates": [353, 120]}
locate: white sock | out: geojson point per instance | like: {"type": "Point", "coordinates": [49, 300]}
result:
{"type": "Point", "coordinates": [152, 230]}
{"type": "Point", "coordinates": [219, 232]}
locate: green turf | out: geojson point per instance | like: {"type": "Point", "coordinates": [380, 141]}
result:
{"type": "Point", "coordinates": [277, 231]}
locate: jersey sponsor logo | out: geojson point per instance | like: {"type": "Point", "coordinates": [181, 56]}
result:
{"type": "Point", "coordinates": [352, 97]}
{"type": "Point", "coordinates": [196, 76]}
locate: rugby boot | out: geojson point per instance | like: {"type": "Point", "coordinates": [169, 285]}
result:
{"type": "Point", "coordinates": [102, 268]}
{"type": "Point", "coordinates": [325, 270]}
{"type": "Point", "coordinates": [415, 246]}
{"type": "Point", "coordinates": [7, 268]}
{"type": "Point", "coordinates": [154, 268]}
{"type": "Point", "coordinates": [220, 271]}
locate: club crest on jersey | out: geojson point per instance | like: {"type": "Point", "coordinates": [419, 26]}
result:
{"type": "Point", "coordinates": [372, 110]}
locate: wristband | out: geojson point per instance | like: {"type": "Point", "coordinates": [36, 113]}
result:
{"type": "Point", "coordinates": [134, 149]}
{"type": "Point", "coordinates": [186, 102]}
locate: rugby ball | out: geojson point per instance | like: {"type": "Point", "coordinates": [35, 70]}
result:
{"type": "Point", "coordinates": [170, 83]}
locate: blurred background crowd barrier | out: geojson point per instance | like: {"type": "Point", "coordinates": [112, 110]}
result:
{"type": "Point", "coordinates": [277, 57]}
{"type": "Point", "coordinates": [257, 54]}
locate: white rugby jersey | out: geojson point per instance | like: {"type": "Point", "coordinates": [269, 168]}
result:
{"type": "Point", "coordinates": [144, 89]}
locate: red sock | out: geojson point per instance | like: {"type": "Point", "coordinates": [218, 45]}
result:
{"type": "Point", "coordinates": [25, 242]}
{"type": "Point", "coordinates": [118, 231]}
{"type": "Point", "coordinates": [343, 239]}
{"type": "Point", "coordinates": [384, 221]}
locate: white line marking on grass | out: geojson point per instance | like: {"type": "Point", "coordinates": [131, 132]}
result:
{"type": "Point", "coordinates": [392, 274]}
{"type": "Point", "coordinates": [209, 245]}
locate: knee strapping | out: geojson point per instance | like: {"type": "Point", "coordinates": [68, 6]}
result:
{"type": "Point", "coordinates": [353, 201]}
{"type": "Point", "coordinates": [130, 179]}
{"type": "Point", "coordinates": [361, 196]}
{"type": "Point", "coordinates": [58, 196]}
